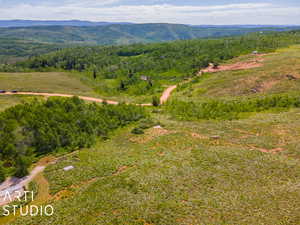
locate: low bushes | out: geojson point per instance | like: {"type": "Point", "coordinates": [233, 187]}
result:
{"type": "Point", "coordinates": [230, 109]}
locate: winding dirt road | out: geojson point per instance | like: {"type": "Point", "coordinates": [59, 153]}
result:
{"type": "Point", "coordinates": [165, 96]}
{"type": "Point", "coordinates": [167, 93]}
{"type": "Point", "coordinates": [15, 185]}
{"type": "Point", "coordinates": [254, 63]}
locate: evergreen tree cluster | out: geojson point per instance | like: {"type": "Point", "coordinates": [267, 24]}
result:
{"type": "Point", "coordinates": [37, 128]}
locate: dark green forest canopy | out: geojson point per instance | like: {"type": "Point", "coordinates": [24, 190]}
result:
{"type": "Point", "coordinates": [57, 125]}
{"type": "Point", "coordinates": [12, 50]}
{"type": "Point", "coordinates": [159, 57]}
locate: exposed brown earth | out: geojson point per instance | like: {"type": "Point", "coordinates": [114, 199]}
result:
{"type": "Point", "coordinates": [257, 62]}
{"type": "Point", "coordinates": [167, 93]}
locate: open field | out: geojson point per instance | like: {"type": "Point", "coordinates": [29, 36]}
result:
{"type": "Point", "coordinates": [63, 83]}
{"type": "Point", "coordinates": [54, 82]}
{"type": "Point", "coordinates": [181, 175]}
{"type": "Point", "coordinates": [269, 79]}
{"type": "Point", "coordinates": [8, 101]}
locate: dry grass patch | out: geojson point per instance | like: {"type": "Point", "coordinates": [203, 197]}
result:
{"type": "Point", "coordinates": [149, 135]}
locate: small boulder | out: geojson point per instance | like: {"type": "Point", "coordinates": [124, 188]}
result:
{"type": "Point", "coordinates": [68, 168]}
{"type": "Point", "coordinates": [254, 90]}
{"type": "Point", "coordinates": [215, 137]}
{"type": "Point", "coordinates": [291, 77]}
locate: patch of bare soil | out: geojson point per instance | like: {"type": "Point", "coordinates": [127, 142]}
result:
{"type": "Point", "coordinates": [199, 136]}
{"type": "Point", "coordinates": [257, 62]}
{"type": "Point", "coordinates": [273, 151]}
{"type": "Point", "coordinates": [149, 135]}
{"type": "Point", "coordinates": [62, 194]}
{"type": "Point", "coordinates": [121, 170]}
{"type": "Point", "coordinates": [166, 94]}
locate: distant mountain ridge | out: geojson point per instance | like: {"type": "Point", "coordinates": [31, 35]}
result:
{"type": "Point", "coordinates": [119, 34]}
{"type": "Point", "coordinates": [80, 23]}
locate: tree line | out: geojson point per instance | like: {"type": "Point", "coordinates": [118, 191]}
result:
{"type": "Point", "coordinates": [218, 109]}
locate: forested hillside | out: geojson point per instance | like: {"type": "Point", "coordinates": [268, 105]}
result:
{"type": "Point", "coordinates": [125, 33]}
{"type": "Point", "coordinates": [143, 68]}
{"type": "Point", "coordinates": [12, 50]}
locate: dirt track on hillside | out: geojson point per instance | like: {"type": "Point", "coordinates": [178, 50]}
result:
{"type": "Point", "coordinates": [165, 96]}
{"type": "Point", "coordinates": [15, 186]}
{"type": "Point", "coordinates": [255, 63]}
{"type": "Point", "coordinates": [61, 95]}
{"type": "Point", "coordinates": [167, 93]}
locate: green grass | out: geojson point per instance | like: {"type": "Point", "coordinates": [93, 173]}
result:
{"type": "Point", "coordinates": [108, 89]}
{"type": "Point", "coordinates": [268, 79]}
{"type": "Point", "coordinates": [53, 82]}
{"type": "Point", "coordinates": [8, 101]}
{"type": "Point", "coordinates": [182, 176]}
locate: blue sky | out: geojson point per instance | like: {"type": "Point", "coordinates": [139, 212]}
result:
{"type": "Point", "coordinates": [153, 11]}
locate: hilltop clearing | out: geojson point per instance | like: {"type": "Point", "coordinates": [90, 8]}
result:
{"type": "Point", "coordinates": [277, 73]}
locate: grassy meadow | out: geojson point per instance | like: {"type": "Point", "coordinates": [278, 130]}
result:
{"type": "Point", "coordinates": [55, 82]}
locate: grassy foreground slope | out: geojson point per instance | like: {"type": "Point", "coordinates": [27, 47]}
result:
{"type": "Point", "coordinates": [180, 175]}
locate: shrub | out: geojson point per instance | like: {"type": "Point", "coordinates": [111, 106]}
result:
{"type": "Point", "coordinates": [137, 130]}
{"type": "Point", "coordinates": [155, 101]}
{"type": "Point", "coordinates": [2, 173]}
{"type": "Point", "coordinates": [146, 123]}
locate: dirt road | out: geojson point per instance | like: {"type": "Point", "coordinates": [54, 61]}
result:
{"type": "Point", "coordinates": [13, 187]}
{"type": "Point", "coordinates": [167, 93]}
{"type": "Point", "coordinates": [61, 95]}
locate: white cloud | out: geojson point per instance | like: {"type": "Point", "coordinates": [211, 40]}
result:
{"type": "Point", "coordinates": [252, 13]}
{"type": "Point", "coordinates": [90, 3]}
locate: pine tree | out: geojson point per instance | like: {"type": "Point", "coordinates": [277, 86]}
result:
{"type": "Point", "coordinates": [155, 101]}
{"type": "Point", "coordinates": [95, 74]}
{"type": "Point", "coordinates": [2, 172]}
{"type": "Point", "coordinates": [21, 167]}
